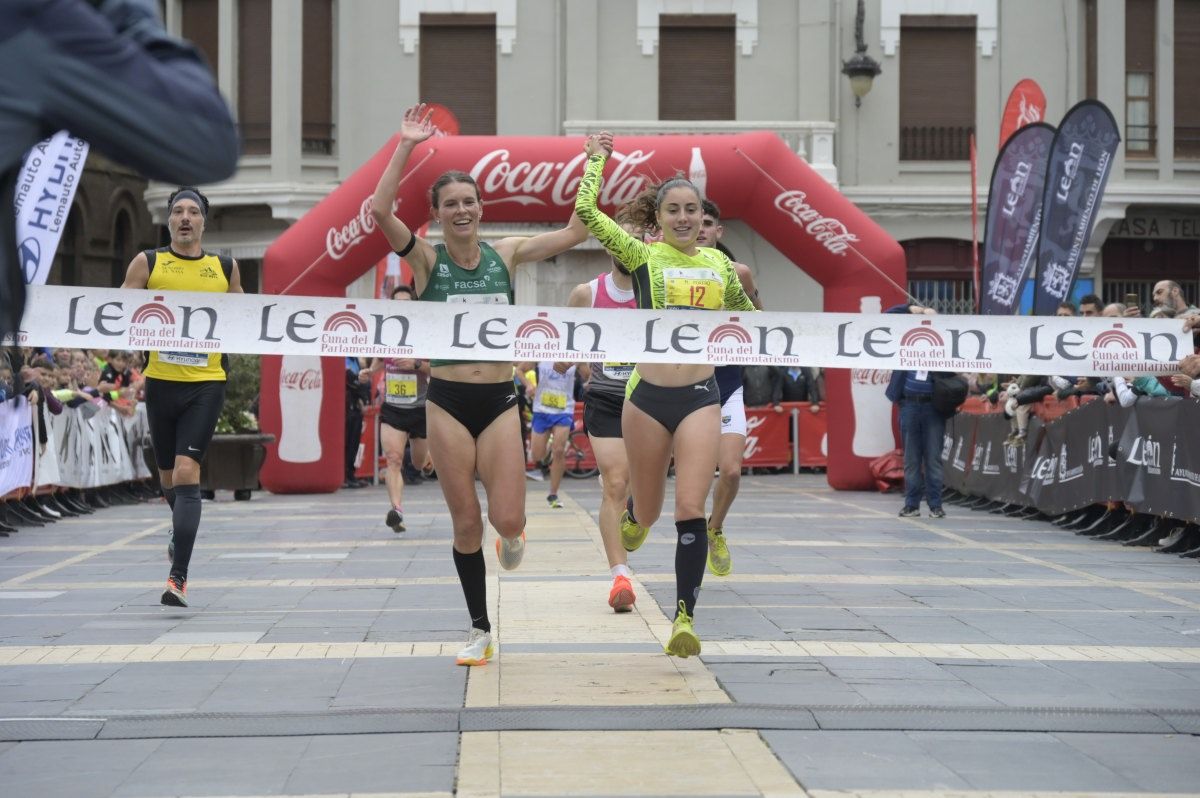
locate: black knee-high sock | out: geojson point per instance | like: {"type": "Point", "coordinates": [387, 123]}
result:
{"type": "Point", "coordinates": [691, 555]}
{"type": "Point", "coordinates": [185, 516]}
{"type": "Point", "coordinates": [472, 574]}
{"type": "Point", "coordinates": [169, 494]}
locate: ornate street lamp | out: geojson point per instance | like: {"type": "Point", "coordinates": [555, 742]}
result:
{"type": "Point", "coordinates": [862, 68]}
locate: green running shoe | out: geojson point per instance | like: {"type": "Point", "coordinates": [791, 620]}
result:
{"type": "Point", "coordinates": [632, 535]}
{"type": "Point", "coordinates": [719, 561]}
{"type": "Point", "coordinates": [683, 642]}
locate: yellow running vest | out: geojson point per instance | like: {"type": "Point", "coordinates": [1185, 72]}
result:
{"type": "Point", "coordinates": [170, 271]}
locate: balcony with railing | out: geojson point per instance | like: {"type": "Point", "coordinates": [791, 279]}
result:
{"type": "Point", "coordinates": [935, 143]}
{"type": "Point", "coordinates": [316, 139]}
{"type": "Point", "coordinates": [1187, 142]}
{"type": "Point", "coordinates": [812, 141]}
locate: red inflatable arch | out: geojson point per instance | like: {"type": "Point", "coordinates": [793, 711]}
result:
{"type": "Point", "coordinates": [754, 177]}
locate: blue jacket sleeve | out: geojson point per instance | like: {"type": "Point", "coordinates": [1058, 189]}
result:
{"type": "Point", "coordinates": [135, 93]}
{"type": "Point", "coordinates": [895, 389]}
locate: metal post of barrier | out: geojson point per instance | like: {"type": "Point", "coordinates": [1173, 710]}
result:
{"type": "Point", "coordinates": [796, 441]}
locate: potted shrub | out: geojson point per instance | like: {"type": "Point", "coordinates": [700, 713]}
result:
{"type": "Point", "coordinates": [238, 448]}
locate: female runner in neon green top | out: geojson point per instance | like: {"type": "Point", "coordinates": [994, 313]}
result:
{"type": "Point", "coordinates": [668, 408]}
{"type": "Point", "coordinates": [470, 408]}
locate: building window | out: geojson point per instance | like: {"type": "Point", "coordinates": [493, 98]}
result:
{"type": "Point", "coordinates": [316, 136]}
{"type": "Point", "coordinates": [1134, 265]}
{"type": "Point", "coordinates": [254, 75]}
{"type": "Point", "coordinates": [1139, 77]}
{"type": "Point", "coordinates": [937, 87]}
{"type": "Point", "coordinates": [458, 68]}
{"type": "Point", "coordinates": [697, 66]}
{"type": "Point", "coordinates": [941, 272]}
{"type": "Point", "coordinates": [1187, 90]}
{"type": "Point", "coordinates": [199, 26]}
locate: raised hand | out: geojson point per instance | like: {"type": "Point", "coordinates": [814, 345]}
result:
{"type": "Point", "coordinates": [417, 125]}
{"type": "Point", "coordinates": [599, 144]}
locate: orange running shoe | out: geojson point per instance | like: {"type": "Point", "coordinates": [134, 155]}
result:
{"type": "Point", "coordinates": [176, 593]}
{"type": "Point", "coordinates": [621, 597]}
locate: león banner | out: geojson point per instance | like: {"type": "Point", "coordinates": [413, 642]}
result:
{"type": "Point", "coordinates": [1080, 163]}
{"type": "Point", "coordinates": [1014, 213]}
{"type": "Point", "coordinates": [109, 318]}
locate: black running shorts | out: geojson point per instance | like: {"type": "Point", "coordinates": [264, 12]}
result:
{"type": "Point", "coordinates": [182, 417]}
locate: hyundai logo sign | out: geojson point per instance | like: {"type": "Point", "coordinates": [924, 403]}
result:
{"type": "Point", "coordinates": [30, 253]}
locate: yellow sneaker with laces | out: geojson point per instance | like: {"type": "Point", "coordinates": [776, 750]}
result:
{"type": "Point", "coordinates": [633, 534]}
{"type": "Point", "coordinates": [719, 561]}
{"type": "Point", "coordinates": [684, 642]}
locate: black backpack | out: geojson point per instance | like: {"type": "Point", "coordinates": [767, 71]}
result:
{"type": "Point", "coordinates": [949, 391]}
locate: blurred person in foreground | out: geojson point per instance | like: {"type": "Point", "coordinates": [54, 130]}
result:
{"type": "Point", "coordinates": [108, 72]}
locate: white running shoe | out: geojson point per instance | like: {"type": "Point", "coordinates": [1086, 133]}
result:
{"type": "Point", "coordinates": [479, 649]}
{"type": "Point", "coordinates": [510, 552]}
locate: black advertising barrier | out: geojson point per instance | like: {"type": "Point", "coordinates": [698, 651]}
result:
{"type": "Point", "coordinates": [1183, 464]}
{"type": "Point", "coordinates": [1147, 456]}
{"type": "Point", "coordinates": [1014, 212]}
{"type": "Point", "coordinates": [1015, 458]}
{"type": "Point", "coordinates": [1159, 455]}
{"type": "Point", "coordinates": [985, 477]}
{"type": "Point", "coordinates": [956, 450]}
{"type": "Point", "coordinates": [1080, 162]}
{"type": "Point", "coordinates": [1037, 479]}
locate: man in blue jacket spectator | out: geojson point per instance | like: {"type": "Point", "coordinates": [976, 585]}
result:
{"type": "Point", "coordinates": [921, 429]}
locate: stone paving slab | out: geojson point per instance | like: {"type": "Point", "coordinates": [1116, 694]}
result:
{"type": "Point", "coordinates": [833, 602]}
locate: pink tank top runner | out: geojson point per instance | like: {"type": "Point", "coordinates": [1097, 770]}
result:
{"type": "Point", "coordinates": [602, 296]}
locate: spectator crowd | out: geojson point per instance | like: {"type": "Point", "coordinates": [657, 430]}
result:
{"type": "Point", "coordinates": [1020, 396]}
{"type": "Point", "coordinates": [82, 380]}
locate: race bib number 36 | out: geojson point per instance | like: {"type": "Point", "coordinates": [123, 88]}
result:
{"type": "Point", "coordinates": [401, 388]}
{"type": "Point", "coordinates": [694, 288]}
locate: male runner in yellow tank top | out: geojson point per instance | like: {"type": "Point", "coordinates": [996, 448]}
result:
{"type": "Point", "coordinates": [184, 390]}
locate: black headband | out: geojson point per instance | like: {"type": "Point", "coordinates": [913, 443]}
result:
{"type": "Point", "coordinates": [188, 194]}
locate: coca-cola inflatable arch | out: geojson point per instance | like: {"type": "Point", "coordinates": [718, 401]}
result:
{"type": "Point", "coordinates": [754, 177]}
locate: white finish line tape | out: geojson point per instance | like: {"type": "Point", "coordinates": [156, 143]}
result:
{"type": "Point", "coordinates": [110, 318]}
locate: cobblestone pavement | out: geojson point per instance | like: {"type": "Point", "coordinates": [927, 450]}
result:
{"type": "Point", "coordinates": [850, 653]}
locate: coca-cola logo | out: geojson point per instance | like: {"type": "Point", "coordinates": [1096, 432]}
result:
{"type": "Point", "coordinates": [305, 380]}
{"type": "Point", "coordinates": [554, 182]}
{"type": "Point", "coordinates": [339, 241]}
{"type": "Point", "coordinates": [828, 231]}
{"type": "Point", "coordinates": [870, 377]}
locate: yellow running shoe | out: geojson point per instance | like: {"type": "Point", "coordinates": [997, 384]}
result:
{"type": "Point", "coordinates": [719, 561]}
{"type": "Point", "coordinates": [633, 535]}
{"type": "Point", "coordinates": [683, 642]}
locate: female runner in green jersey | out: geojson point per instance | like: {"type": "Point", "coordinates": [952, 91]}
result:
{"type": "Point", "coordinates": [470, 408]}
{"type": "Point", "coordinates": [668, 408]}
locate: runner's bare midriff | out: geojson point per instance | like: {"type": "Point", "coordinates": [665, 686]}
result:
{"type": "Point", "coordinates": [674, 375]}
{"type": "Point", "coordinates": [483, 372]}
